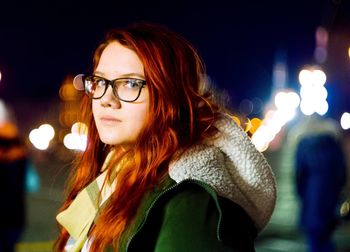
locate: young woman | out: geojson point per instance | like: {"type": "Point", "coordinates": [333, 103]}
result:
{"type": "Point", "coordinates": [165, 168]}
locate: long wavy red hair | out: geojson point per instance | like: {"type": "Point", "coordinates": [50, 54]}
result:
{"type": "Point", "coordinates": [181, 113]}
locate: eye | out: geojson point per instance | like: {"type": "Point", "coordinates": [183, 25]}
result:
{"type": "Point", "coordinates": [94, 81]}
{"type": "Point", "coordinates": [132, 83]}
{"type": "Point", "coordinates": [99, 82]}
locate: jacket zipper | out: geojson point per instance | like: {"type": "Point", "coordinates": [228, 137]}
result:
{"type": "Point", "coordinates": [204, 185]}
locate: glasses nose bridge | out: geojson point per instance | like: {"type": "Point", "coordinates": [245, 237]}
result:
{"type": "Point", "coordinates": [112, 83]}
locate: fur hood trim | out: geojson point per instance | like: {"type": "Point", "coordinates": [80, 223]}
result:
{"type": "Point", "coordinates": [234, 168]}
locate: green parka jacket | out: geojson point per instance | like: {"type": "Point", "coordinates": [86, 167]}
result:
{"type": "Point", "coordinates": [188, 216]}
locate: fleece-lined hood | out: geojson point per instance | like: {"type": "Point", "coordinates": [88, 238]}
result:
{"type": "Point", "coordinates": [234, 168]}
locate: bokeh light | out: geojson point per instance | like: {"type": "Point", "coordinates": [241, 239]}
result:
{"type": "Point", "coordinates": [246, 107]}
{"type": "Point", "coordinates": [41, 137]}
{"type": "Point", "coordinates": [319, 77]}
{"type": "Point", "coordinates": [345, 121]}
{"type": "Point", "coordinates": [236, 119]}
{"type": "Point", "coordinates": [322, 108]}
{"type": "Point", "coordinates": [77, 139]}
{"type": "Point", "coordinates": [47, 131]}
{"type": "Point", "coordinates": [3, 112]}
{"type": "Point", "coordinates": [257, 105]}
{"type": "Point", "coordinates": [286, 103]}
{"type": "Point", "coordinates": [312, 76]}
{"type": "Point", "coordinates": [80, 128]}
{"type": "Point", "coordinates": [312, 92]}
{"type": "Point", "coordinates": [307, 107]}
{"type": "Point", "coordinates": [255, 124]}
{"type": "Point", "coordinates": [305, 76]}
{"type": "Point", "coordinates": [287, 100]}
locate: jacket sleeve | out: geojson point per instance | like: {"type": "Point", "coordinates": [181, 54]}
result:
{"type": "Point", "coordinates": [192, 222]}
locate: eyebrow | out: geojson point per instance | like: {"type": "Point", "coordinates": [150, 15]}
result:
{"type": "Point", "coordinates": [128, 75]}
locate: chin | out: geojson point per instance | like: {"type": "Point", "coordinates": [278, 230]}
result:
{"type": "Point", "coordinates": [115, 142]}
{"type": "Point", "coordinates": [110, 141]}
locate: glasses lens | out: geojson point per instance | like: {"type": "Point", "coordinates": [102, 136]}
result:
{"type": "Point", "coordinates": [128, 89]}
{"type": "Point", "coordinates": [94, 86]}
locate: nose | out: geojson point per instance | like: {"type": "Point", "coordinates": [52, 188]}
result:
{"type": "Point", "coordinates": [109, 99]}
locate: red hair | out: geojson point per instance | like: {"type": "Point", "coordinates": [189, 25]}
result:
{"type": "Point", "coordinates": [181, 113]}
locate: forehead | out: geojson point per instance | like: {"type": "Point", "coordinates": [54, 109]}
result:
{"type": "Point", "coordinates": [118, 59]}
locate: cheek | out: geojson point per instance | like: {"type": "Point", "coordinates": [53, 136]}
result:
{"type": "Point", "coordinates": [139, 118]}
{"type": "Point", "coordinates": [95, 108]}
{"type": "Point", "coordinates": [136, 122]}
{"type": "Point", "coordinates": [95, 113]}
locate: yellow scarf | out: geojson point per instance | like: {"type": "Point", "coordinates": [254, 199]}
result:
{"type": "Point", "coordinates": [78, 218]}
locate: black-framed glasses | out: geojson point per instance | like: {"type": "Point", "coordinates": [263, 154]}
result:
{"type": "Point", "coordinates": [125, 89]}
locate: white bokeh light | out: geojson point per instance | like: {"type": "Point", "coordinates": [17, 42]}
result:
{"type": "Point", "coordinates": [306, 107]}
{"type": "Point", "coordinates": [259, 139]}
{"type": "Point", "coordinates": [77, 139]}
{"type": "Point", "coordinates": [306, 91]}
{"type": "Point", "coordinates": [345, 121]}
{"type": "Point", "coordinates": [312, 92]}
{"type": "Point", "coordinates": [322, 107]}
{"type": "Point", "coordinates": [294, 99]}
{"type": "Point", "coordinates": [79, 128]}
{"type": "Point", "coordinates": [319, 77]}
{"type": "Point", "coordinates": [305, 77]}
{"type": "Point", "coordinates": [280, 100]}
{"type": "Point", "coordinates": [38, 139]}
{"type": "Point", "coordinates": [42, 136]}
{"type": "Point", "coordinates": [287, 101]}
{"type": "Point", "coordinates": [47, 131]}
{"type": "Point", "coordinates": [312, 76]}
{"type": "Point", "coordinates": [3, 112]}
{"type": "Point", "coordinates": [74, 141]}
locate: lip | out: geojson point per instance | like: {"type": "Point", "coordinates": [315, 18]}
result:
{"type": "Point", "coordinates": [109, 120]}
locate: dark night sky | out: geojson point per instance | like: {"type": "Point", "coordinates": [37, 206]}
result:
{"type": "Point", "coordinates": [41, 43]}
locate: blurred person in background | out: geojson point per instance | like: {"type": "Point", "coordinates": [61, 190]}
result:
{"type": "Point", "coordinates": [18, 176]}
{"type": "Point", "coordinates": [320, 177]}
{"type": "Point", "coordinates": [13, 165]}
{"type": "Point", "coordinates": [166, 167]}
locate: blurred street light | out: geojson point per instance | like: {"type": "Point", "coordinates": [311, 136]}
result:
{"type": "Point", "coordinates": [287, 100]}
{"type": "Point", "coordinates": [345, 121]}
{"type": "Point", "coordinates": [312, 77]}
{"type": "Point", "coordinates": [312, 92]}
{"type": "Point", "coordinates": [48, 131]}
{"type": "Point", "coordinates": [320, 52]}
{"type": "Point", "coordinates": [79, 128]}
{"type": "Point", "coordinates": [3, 112]}
{"type": "Point", "coordinates": [77, 139]}
{"type": "Point", "coordinates": [41, 137]}
{"type": "Point", "coordinates": [286, 103]}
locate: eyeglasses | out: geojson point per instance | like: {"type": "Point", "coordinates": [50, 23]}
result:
{"type": "Point", "coordinates": [126, 89]}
